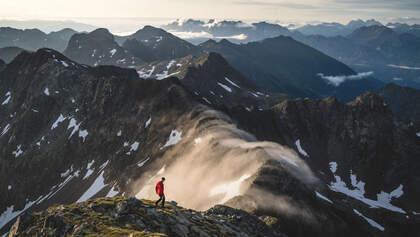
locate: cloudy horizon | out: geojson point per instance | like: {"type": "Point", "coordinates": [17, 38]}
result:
{"type": "Point", "coordinates": [303, 11]}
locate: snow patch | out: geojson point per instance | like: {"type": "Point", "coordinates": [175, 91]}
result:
{"type": "Point", "coordinates": [323, 197]}
{"type": "Point", "coordinates": [231, 82]}
{"type": "Point", "coordinates": [300, 149]}
{"type": "Point", "coordinates": [9, 187]}
{"type": "Point", "coordinates": [76, 128]}
{"type": "Point", "coordinates": [18, 151]}
{"type": "Point", "coordinates": [205, 99]}
{"type": "Point", "coordinates": [170, 64]}
{"type": "Point", "coordinates": [67, 172]}
{"type": "Point", "coordinates": [97, 186]}
{"type": "Point", "coordinates": [147, 74]}
{"type": "Point", "coordinates": [5, 129]}
{"type": "Point", "coordinates": [141, 164]}
{"type": "Point", "coordinates": [133, 148]}
{"type": "Point", "coordinates": [119, 133]}
{"type": "Point", "coordinates": [47, 91]}
{"type": "Point", "coordinates": [418, 134]}
{"type": "Point", "coordinates": [59, 120]}
{"type": "Point", "coordinates": [148, 122]}
{"type": "Point", "coordinates": [112, 192]}
{"type": "Point", "coordinates": [225, 87]}
{"type": "Point", "coordinates": [64, 63]}
{"type": "Point", "coordinates": [89, 170]}
{"type": "Point", "coordinates": [112, 52]}
{"type": "Point", "coordinates": [8, 97]}
{"type": "Point", "coordinates": [10, 213]}
{"type": "Point", "coordinates": [358, 191]}
{"type": "Point", "coordinates": [370, 221]}
{"type": "Point", "coordinates": [174, 138]}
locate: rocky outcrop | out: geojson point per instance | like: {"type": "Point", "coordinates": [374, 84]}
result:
{"type": "Point", "coordinates": [133, 217]}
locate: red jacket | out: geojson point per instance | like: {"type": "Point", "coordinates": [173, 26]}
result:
{"type": "Point", "coordinates": [159, 188]}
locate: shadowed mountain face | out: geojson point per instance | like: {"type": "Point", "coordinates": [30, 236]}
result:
{"type": "Point", "coordinates": [391, 56]}
{"type": "Point", "coordinates": [70, 132]}
{"type": "Point", "coordinates": [7, 54]}
{"type": "Point", "coordinates": [211, 79]}
{"type": "Point", "coordinates": [403, 101]}
{"type": "Point", "coordinates": [99, 48]}
{"type": "Point", "coordinates": [33, 39]}
{"type": "Point", "coordinates": [2, 65]}
{"type": "Point", "coordinates": [284, 65]}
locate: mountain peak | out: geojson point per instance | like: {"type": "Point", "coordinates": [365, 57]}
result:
{"type": "Point", "coordinates": [151, 30]}
{"type": "Point", "coordinates": [370, 99]}
{"type": "Point", "coordinates": [39, 57]}
{"type": "Point", "coordinates": [102, 33]}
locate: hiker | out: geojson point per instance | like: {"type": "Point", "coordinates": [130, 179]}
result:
{"type": "Point", "coordinates": [159, 191]}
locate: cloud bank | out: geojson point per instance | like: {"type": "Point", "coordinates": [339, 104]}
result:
{"type": "Point", "coordinates": [338, 80]}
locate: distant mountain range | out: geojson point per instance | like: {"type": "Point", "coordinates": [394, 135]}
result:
{"type": "Point", "coordinates": [391, 56]}
{"type": "Point", "coordinates": [47, 25]}
{"type": "Point", "coordinates": [197, 31]}
{"type": "Point", "coordinates": [34, 39]}
{"type": "Point", "coordinates": [335, 29]}
{"type": "Point", "coordinates": [373, 50]}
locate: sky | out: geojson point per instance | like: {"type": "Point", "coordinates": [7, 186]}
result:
{"type": "Point", "coordinates": [272, 10]}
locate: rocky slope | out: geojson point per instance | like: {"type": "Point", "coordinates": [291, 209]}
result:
{"type": "Point", "coordinates": [132, 217]}
{"type": "Point", "coordinates": [99, 48]}
{"type": "Point", "coordinates": [360, 150]}
{"type": "Point", "coordinates": [212, 80]}
{"type": "Point", "coordinates": [403, 101]}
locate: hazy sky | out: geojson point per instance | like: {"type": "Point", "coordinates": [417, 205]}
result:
{"type": "Point", "coordinates": [283, 10]}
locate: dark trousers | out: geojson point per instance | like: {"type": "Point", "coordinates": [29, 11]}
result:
{"type": "Point", "coordinates": [162, 198]}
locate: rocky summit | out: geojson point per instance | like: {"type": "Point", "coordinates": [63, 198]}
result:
{"type": "Point", "coordinates": [132, 217]}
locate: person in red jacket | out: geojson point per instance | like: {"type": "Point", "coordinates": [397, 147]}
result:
{"type": "Point", "coordinates": [159, 191]}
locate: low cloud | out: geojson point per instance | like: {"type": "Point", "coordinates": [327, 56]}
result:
{"type": "Point", "coordinates": [203, 34]}
{"type": "Point", "coordinates": [191, 35]}
{"type": "Point", "coordinates": [403, 67]}
{"type": "Point", "coordinates": [337, 80]}
{"type": "Point", "coordinates": [214, 162]}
